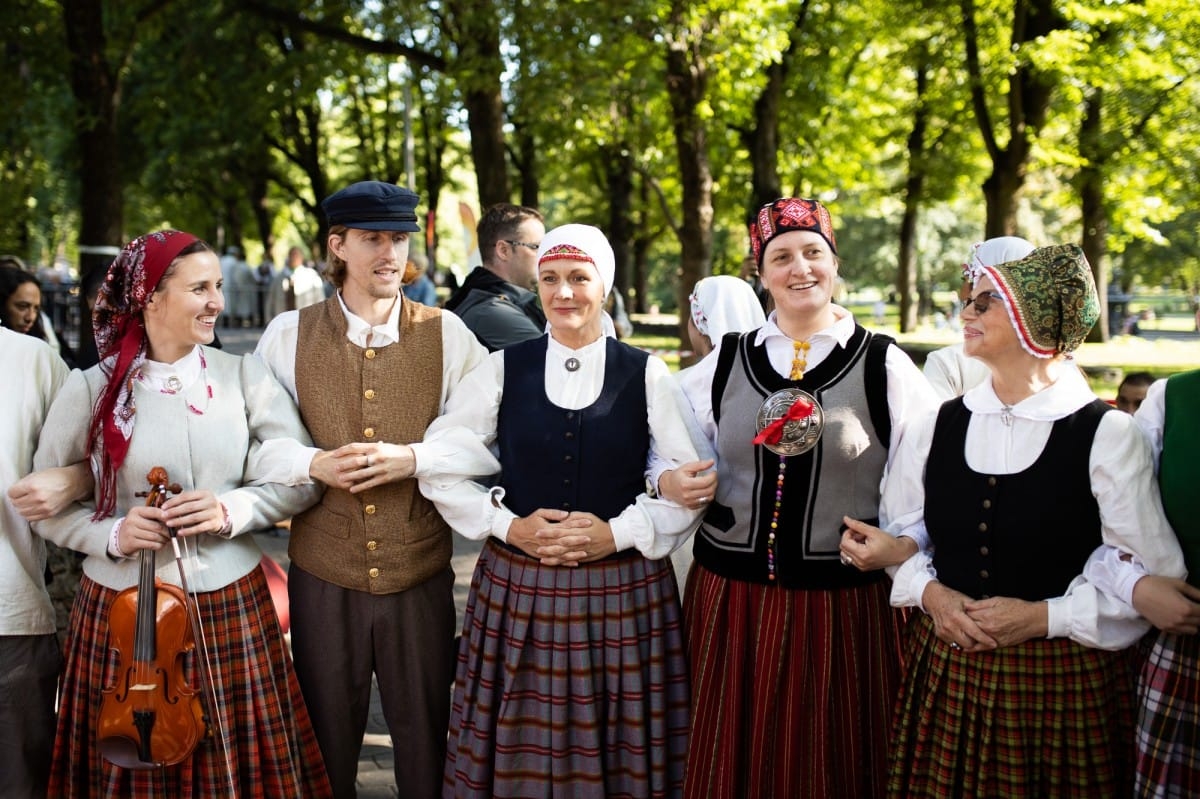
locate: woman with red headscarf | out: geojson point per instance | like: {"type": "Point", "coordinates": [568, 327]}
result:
{"type": "Point", "coordinates": [229, 434]}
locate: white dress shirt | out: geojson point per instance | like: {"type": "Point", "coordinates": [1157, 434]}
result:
{"type": "Point", "coordinates": [461, 352]}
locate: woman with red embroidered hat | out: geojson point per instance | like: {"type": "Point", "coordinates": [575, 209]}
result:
{"type": "Point", "coordinates": [226, 431]}
{"type": "Point", "coordinates": [571, 676]}
{"type": "Point", "coordinates": [795, 655]}
{"type": "Point", "coordinates": [1027, 494]}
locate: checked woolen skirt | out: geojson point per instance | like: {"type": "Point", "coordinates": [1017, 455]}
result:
{"type": "Point", "coordinates": [571, 681]}
{"type": "Point", "coordinates": [267, 730]}
{"type": "Point", "coordinates": [1044, 718]}
{"type": "Point", "coordinates": [793, 690]}
{"type": "Point", "coordinates": [1168, 728]}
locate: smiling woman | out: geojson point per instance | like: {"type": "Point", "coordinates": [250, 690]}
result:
{"type": "Point", "coordinates": [222, 427]}
{"type": "Point", "coordinates": [795, 654]}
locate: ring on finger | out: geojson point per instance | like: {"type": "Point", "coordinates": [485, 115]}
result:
{"type": "Point", "coordinates": [368, 460]}
{"type": "Point", "coordinates": [955, 645]}
{"type": "Point", "coordinates": [846, 560]}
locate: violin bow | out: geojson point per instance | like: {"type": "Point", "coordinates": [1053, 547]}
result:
{"type": "Point", "coordinates": [203, 664]}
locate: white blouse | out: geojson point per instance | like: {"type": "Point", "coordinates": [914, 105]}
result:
{"type": "Point", "coordinates": [1006, 440]}
{"type": "Point", "coordinates": [654, 526]}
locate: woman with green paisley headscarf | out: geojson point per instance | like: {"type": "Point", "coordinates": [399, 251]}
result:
{"type": "Point", "coordinates": [1020, 492]}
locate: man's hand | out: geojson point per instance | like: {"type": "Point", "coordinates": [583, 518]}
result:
{"type": "Point", "coordinates": [360, 466]}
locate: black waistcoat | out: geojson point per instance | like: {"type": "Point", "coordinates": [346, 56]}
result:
{"type": "Point", "coordinates": [1024, 535]}
{"type": "Point", "coordinates": [592, 459]}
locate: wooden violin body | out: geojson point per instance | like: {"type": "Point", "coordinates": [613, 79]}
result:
{"type": "Point", "coordinates": [151, 716]}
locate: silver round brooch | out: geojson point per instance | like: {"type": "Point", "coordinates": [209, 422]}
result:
{"type": "Point", "coordinates": [798, 436]}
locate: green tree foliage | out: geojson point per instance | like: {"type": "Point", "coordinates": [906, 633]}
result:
{"type": "Point", "coordinates": [923, 124]}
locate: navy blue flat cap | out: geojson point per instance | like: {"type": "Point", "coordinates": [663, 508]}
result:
{"type": "Point", "coordinates": [373, 205]}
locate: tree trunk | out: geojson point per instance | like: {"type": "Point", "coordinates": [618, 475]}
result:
{"type": "Point", "coordinates": [96, 89]}
{"type": "Point", "coordinates": [1092, 204]}
{"type": "Point", "coordinates": [619, 177]}
{"type": "Point", "coordinates": [907, 277]}
{"type": "Point", "coordinates": [687, 79]}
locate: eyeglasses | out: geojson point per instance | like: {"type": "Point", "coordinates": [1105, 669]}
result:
{"type": "Point", "coordinates": [529, 245]}
{"type": "Point", "coordinates": [982, 301]}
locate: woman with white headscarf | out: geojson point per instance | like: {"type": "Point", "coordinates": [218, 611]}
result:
{"type": "Point", "coordinates": [1020, 495]}
{"type": "Point", "coordinates": [721, 304]}
{"type": "Point", "coordinates": [572, 678]}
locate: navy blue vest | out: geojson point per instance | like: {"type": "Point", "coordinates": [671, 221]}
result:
{"type": "Point", "coordinates": [1023, 535]}
{"type": "Point", "coordinates": [592, 459]}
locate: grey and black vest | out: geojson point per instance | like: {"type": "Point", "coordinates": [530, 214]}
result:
{"type": "Point", "coordinates": [839, 477]}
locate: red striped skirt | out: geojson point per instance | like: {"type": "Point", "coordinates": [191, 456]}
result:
{"type": "Point", "coordinates": [793, 690]}
{"type": "Point", "coordinates": [1168, 726]}
{"type": "Point", "coordinates": [1041, 718]}
{"type": "Point", "coordinates": [267, 731]}
{"type": "Point", "coordinates": [571, 682]}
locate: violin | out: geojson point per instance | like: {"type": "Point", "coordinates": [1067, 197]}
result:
{"type": "Point", "coordinates": [152, 716]}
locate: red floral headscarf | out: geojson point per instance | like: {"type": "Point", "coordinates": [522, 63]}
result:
{"type": "Point", "coordinates": [121, 343]}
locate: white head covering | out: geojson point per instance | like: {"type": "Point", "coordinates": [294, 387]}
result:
{"type": "Point", "coordinates": [994, 252]}
{"type": "Point", "coordinates": [580, 243]}
{"type": "Point", "coordinates": [725, 304]}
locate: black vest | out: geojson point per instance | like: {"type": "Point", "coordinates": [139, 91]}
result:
{"type": "Point", "coordinates": [1025, 535]}
{"type": "Point", "coordinates": [592, 459]}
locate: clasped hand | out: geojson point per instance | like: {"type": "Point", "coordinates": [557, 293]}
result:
{"type": "Point", "coordinates": [188, 513]}
{"type": "Point", "coordinates": [559, 538]}
{"type": "Point", "coordinates": [360, 466]}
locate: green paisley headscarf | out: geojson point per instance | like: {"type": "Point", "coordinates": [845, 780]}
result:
{"type": "Point", "coordinates": [1051, 298]}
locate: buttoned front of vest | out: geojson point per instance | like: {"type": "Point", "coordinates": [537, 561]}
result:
{"type": "Point", "coordinates": [390, 538]}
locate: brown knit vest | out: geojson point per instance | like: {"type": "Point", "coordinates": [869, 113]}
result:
{"type": "Point", "coordinates": [390, 538]}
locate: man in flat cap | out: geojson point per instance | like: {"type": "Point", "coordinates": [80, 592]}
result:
{"type": "Point", "coordinates": [370, 584]}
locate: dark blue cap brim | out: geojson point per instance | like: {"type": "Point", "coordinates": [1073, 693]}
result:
{"type": "Point", "coordinates": [400, 226]}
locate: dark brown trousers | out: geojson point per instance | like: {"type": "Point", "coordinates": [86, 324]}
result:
{"type": "Point", "coordinates": [340, 637]}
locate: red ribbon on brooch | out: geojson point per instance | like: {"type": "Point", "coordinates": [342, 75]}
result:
{"type": "Point", "coordinates": [800, 409]}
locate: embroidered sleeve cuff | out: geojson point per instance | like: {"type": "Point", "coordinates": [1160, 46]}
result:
{"type": "Point", "coordinates": [114, 541]}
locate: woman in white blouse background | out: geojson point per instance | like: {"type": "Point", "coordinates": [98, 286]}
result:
{"type": "Point", "coordinates": [572, 678]}
{"type": "Point", "coordinates": [1018, 505]}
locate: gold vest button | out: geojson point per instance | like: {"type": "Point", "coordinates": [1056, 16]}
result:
{"type": "Point", "coordinates": [369, 432]}
{"type": "Point", "coordinates": [369, 510]}
{"type": "Point", "coordinates": [373, 573]}
{"type": "Point", "coordinates": [369, 393]}
{"type": "Point", "coordinates": [369, 354]}
{"type": "Point", "coordinates": [372, 545]}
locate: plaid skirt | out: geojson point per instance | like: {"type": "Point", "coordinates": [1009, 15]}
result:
{"type": "Point", "coordinates": [267, 732]}
{"type": "Point", "coordinates": [1168, 726]}
{"type": "Point", "coordinates": [571, 682]}
{"type": "Point", "coordinates": [792, 690]}
{"type": "Point", "coordinates": [1039, 719]}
